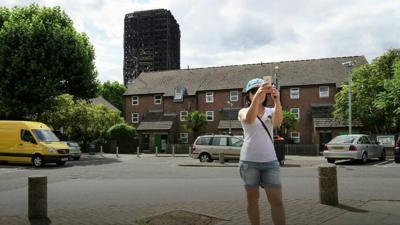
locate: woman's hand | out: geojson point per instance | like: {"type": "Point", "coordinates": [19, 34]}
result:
{"type": "Point", "coordinates": [261, 92]}
{"type": "Point", "coordinates": [275, 96]}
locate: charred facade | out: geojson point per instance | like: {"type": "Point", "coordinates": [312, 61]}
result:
{"type": "Point", "coordinates": [151, 43]}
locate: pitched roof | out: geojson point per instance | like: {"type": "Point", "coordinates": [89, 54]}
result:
{"type": "Point", "coordinates": [158, 125]}
{"type": "Point", "coordinates": [291, 73]}
{"type": "Point", "coordinates": [101, 101]}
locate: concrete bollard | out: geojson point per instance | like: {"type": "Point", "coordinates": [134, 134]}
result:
{"type": "Point", "coordinates": [137, 151]}
{"type": "Point", "coordinates": [116, 151]}
{"type": "Point", "coordinates": [156, 151]}
{"type": "Point", "coordinates": [328, 188]}
{"type": "Point", "coordinates": [101, 150]}
{"type": "Point", "coordinates": [221, 158]}
{"type": "Point", "coordinates": [173, 150]}
{"type": "Point", "coordinates": [37, 197]}
{"type": "Point", "coordinates": [190, 151]}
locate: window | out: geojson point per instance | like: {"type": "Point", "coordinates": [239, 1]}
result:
{"type": "Point", "coordinates": [157, 99]}
{"type": "Point", "coordinates": [27, 136]}
{"type": "Point", "coordinates": [234, 96]}
{"type": "Point", "coordinates": [219, 141]}
{"type": "Point", "coordinates": [178, 97]}
{"type": "Point", "coordinates": [183, 115]}
{"type": "Point", "coordinates": [135, 117]}
{"type": "Point", "coordinates": [236, 142]}
{"type": "Point", "coordinates": [210, 115]}
{"type": "Point", "coordinates": [294, 93]}
{"type": "Point", "coordinates": [203, 141]}
{"type": "Point", "coordinates": [209, 97]}
{"type": "Point", "coordinates": [135, 100]}
{"type": "Point", "coordinates": [184, 138]}
{"type": "Point", "coordinates": [323, 91]}
{"type": "Point", "coordinates": [295, 111]}
{"type": "Point", "coordinates": [295, 137]}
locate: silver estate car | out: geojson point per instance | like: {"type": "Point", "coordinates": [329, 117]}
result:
{"type": "Point", "coordinates": [74, 150]}
{"type": "Point", "coordinates": [207, 148]}
{"type": "Point", "coordinates": [357, 147]}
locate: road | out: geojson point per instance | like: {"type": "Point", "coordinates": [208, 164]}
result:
{"type": "Point", "coordinates": [150, 180]}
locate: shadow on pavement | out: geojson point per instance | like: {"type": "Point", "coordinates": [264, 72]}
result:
{"type": "Point", "coordinates": [356, 162]}
{"type": "Point", "coordinates": [46, 221]}
{"type": "Point", "coordinates": [351, 209]}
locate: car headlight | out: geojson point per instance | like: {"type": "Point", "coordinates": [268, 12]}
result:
{"type": "Point", "coordinates": [52, 150]}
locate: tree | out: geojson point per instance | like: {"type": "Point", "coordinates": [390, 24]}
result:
{"type": "Point", "coordinates": [81, 121]}
{"type": "Point", "coordinates": [113, 92]}
{"type": "Point", "coordinates": [196, 122]}
{"type": "Point", "coordinates": [41, 56]}
{"type": "Point", "coordinates": [121, 132]}
{"type": "Point", "coordinates": [372, 89]}
{"type": "Point", "coordinates": [289, 123]}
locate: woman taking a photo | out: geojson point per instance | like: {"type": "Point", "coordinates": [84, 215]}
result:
{"type": "Point", "coordinates": [259, 166]}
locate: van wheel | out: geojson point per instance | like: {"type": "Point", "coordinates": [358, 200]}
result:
{"type": "Point", "coordinates": [37, 160]}
{"type": "Point", "coordinates": [205, 157]}
{"type": "Point", "coordinates": [364, 158]}
{"type": "Point", "coordinates": [61, 163]}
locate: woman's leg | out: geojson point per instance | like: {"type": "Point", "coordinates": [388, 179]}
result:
{"type": "Point", "coordinates": [253, 210]}
{"type": "Point", "coordinates": [274, 195]}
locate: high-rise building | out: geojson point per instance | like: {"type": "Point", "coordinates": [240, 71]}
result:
{"type": "Point", "coordinates": [151, 42]}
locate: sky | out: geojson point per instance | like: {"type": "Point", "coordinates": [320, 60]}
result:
{"type": "Point", "coordinates": [233, 32]}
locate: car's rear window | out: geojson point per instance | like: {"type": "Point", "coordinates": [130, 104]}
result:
{"type": "Point", "coordinates": [203, 141]}
{"type": "Point", "coordinates": [342, 140]}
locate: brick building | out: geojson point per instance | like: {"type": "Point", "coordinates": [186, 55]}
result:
{"type": "Point", "coordinates": [157, 101]}
{"type": "Point", "coordinates": [151, 42]}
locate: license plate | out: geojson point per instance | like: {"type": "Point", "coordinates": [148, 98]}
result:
{"type": "Point", "coordinates": [64, 159]}
{"type": "Point", "coordinates": [338, 148]}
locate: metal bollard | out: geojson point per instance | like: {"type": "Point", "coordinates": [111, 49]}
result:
{"type": "Point", "coordinates": [173, 150]}
{"type": "Point", "coordinates": [156, 151]}
{"type": "Point", "coordinates": [328, 189]}
{"type": "Point", "coordinates": [101, 150]}
{"type": "Point", "coordinates": [221, 158]}
{"type": "Point", "coordinates": [137, 151]}
{"type": "Point", "coordinates": [37, 197]}
{"type": "Point", "coordinates": [116, 151]}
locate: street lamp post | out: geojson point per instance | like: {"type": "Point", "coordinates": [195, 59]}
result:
{"type": "Point", "coordinates": [230, 121]}
{"type": "Point", "coordinates": [349, 65]}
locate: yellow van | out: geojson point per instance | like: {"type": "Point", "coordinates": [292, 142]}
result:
{"type": "Point", "coordinates": [30, 142]}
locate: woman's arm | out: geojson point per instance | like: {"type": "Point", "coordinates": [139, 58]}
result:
{"type": "Point", "coordinates": [278, 115]}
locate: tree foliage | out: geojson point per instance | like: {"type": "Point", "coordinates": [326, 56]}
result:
{"type": "Point", "coordinates": [41, 56]}
{"type": "Point", "coordinates": [375, 95]}
{"type": "Point", "coordinates": [113, 92]}
{"type": "Point", "coordinates": [81, 121]}
{"type": "Point", "coordinates": [289, 123]}
{"type": "Point", "coordinates": [121, 132]}
{"type": "Point", "coordinates": [196, 122]}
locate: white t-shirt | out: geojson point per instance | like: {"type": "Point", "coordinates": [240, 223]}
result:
{"type": "Point", "coordinates": [258, 146]}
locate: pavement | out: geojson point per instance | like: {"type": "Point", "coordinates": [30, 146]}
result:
{"type": "Point", "coordinates": [71, 200]}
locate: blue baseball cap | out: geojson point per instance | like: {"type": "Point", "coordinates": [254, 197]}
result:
{"type": "Point", "coordinates": [257, 82]}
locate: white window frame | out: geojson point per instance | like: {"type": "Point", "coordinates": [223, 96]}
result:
{"type": "Point", "coordinates": [183, 114]}
{"type": "Point", "coordinates": [324, 94]}
{"type": "Point", "coordinates": [184, 136]}
{"type": "Point", "coordinates": [211, 114]}
{"type": "Point", "coordinates": [295, 138]}
{"type": "Point", "coordinates": [234, 97]}
{"type": "Point", "coordinates": [157, 101]}
{"type": "Point", "coordinates": [292, 93]}
{"type": "Point", "coordinates": [135, 117]}
{"type": "Point", "coordinates": [209, 97]}
{"type": "Point", "coordinates": [298, 112]}
{"type": "Point", "coordinates": [135, 100]}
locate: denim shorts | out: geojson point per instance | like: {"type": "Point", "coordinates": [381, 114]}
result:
{"type": "Point", "coordinates": [264, 174]}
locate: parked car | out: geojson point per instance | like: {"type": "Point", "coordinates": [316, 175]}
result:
{"type": "Point", "coordinates": [74, 150]}
{"type": "Point", "coordinates": [356, 147]}
{"type": "Point", "coordinates": [397, 151]}
{"type": "Point", "coordinates": [30, 142]}
{"type": "Point", "coordinates": [207, 148]}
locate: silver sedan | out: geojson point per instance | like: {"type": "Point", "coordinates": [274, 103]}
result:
{"type": "Point", "coordinates": [357, 147]}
